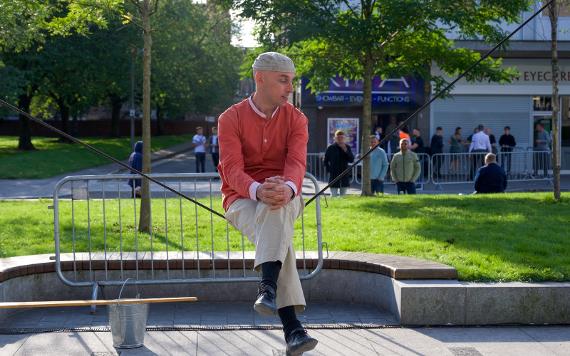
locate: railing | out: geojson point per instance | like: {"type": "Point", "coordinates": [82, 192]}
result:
{"type": "Point", "coordinates": [453, 168]}
{"type": "Point", "coordinates": [97, 242]}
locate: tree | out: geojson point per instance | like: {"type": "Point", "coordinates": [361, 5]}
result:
{"type": "Point", "coordinates": [362, 39]}
{"type": "Point", "coordinates": [24, 27]}
{"type": "Point", "coordinates": [554, 9]}
{"type": "Point", "coordinates": [195, 67]}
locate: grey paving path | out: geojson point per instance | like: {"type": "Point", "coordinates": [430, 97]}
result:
{"type": "Point", "coordinates": [180, 159]}
{"type": "Point", "coordinates": [393, 341]}
{"type": "Point", "coordinates": [322, 318]}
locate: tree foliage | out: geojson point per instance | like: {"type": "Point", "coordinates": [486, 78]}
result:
{"type": "Point", "coordinates": [362, 39]}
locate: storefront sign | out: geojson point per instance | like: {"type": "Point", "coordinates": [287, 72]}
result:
{"type": "Point", "coordinates": [402, 91]}
{"type": "Point", "coordinates": [351, 131]}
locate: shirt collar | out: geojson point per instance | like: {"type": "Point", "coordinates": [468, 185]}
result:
{"type": "Point", "coordinates": [259, 112]}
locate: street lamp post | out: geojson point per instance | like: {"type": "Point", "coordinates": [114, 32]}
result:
{"type": "Point", "coordinates": [132, 98]}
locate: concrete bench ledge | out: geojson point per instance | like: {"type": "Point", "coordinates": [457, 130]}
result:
{"type": "Point", "coordinates": [396, 267]}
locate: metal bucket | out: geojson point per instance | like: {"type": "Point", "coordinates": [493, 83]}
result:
{"type": "Point", "coordinates": [128, 323]}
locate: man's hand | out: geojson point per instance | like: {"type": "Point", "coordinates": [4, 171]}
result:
{"type": "Point", "coordinates": [274, 192]}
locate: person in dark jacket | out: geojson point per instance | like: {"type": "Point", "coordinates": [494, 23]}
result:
{"type": "Point", "coordinates": [436, 147]}
{"type": "Point", "coordinates": [490, 178]}
{"type": "Point", "coordinates": [507, 143]}
{"type": "Point", "coordinates": [337, 157]}
{"type": "Point", "coordinates": [135, 161]}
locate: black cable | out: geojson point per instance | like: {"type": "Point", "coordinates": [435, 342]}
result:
{"type": "Point", "coordinates": [101, 153]}
{"type": "Point", "coordinates": [415, 113]}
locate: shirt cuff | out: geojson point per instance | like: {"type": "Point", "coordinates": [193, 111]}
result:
{"type": "Point", "coordinates": [292, 186]}
{"type": "Point", "coordinates": [253, 190]}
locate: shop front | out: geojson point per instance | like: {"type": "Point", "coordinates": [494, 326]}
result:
{"type": "Point", "coordinates": [340, 107]}
{"type": "Point", "coordinates": [522, 105]}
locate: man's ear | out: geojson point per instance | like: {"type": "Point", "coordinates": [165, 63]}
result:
{"type": "Point", "coordinates": [258, 77]}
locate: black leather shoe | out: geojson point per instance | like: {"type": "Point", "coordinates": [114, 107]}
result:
{"type": "Point", "coordinates": [265, 303]}
{"type": "Point", "coordinates": [299, 341]}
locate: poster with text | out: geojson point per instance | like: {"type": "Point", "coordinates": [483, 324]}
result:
{"type": "Point", "coordinates": [351, 130]}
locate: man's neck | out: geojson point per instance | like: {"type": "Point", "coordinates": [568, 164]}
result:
{"type": "Point", "coordinates": [265, 108]}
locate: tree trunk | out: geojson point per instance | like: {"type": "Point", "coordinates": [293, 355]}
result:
{"type": "Point", "coordinates": [25, 139]}
{"type": "Point", "coordinates": [366, 124]}
{"type": "Point", "coordinates": [145, 212]}
{"type": "Point", "coordinates": [116, 105]}
{"type": "Point", "coordinates": [555, 100]}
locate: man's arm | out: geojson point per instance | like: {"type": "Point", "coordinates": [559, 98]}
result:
{"type": "Point", "coordinates": [417, 169]}
{"type": "Point", "coordinates": [231, 157]}
{"type": "Point", "coordinates": [478, 184]}
{"type": "Point", "coordinates": [384, 161]}
{"type": "Point", "coordinates": [296, 160]}
{"type": "Point", "coordinates": [394, 167]}
{"type": "Point", "coordinates": [488, 144]}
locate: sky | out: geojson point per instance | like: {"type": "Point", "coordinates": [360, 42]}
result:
{"type": "Point", "coordinates": [245, 38]}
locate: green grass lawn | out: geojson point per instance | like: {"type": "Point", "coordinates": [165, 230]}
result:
{"type": "Point", "coordinates": [507, 237]}
{"type": "Point", "coordinates": [53, 158]}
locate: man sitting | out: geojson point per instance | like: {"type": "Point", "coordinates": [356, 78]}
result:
{"type": "Point", "coordinates": [490, 178]}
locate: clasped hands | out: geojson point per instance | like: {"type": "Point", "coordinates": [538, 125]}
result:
{"type": "Point", "coordinates": [274, 192]}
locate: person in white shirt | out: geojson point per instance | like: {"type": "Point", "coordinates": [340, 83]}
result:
{"type": "Point", "coordinates": [199, 143]}
{"type": "Point", "coordinates": [480, 145]}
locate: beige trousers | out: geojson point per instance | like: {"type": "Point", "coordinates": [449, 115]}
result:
{"type": "Point", "coordinates": [271, 231]}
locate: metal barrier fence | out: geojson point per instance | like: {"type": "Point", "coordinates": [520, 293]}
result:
{"type": "Point", "coordinates": [451, 168]}
{"type": "Point", "coordinates": [315, 166]}
{"type": "Point", "coordinates": [96, 235]}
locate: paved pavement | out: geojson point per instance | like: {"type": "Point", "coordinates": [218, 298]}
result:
{"type": "Point", "coordinates": [180, 159]}
{"type": "Point", "coordinates": [234, 329]}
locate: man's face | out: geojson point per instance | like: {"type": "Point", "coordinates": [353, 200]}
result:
{"type": "Point", "coordinates": [439, 132]}
{"type": "Point", "coordinates": [339, 138]}
{"type": "Point", "coordinates": [373, 142]}
{"type": "Point", "coordinates": [540, 128]}
{"type": "Point", "coordinates": [416, 132]}
{"type": "Point", "coordinates": [404, 145]}
{"type": "Point", "coordinates": [214, 131]}
{"type": "Point", "coordinates": [275, 86]}
{"type": "Point", "coordinates": [507, 132]}
{"type": "Point", "coordinates": [199, 131]}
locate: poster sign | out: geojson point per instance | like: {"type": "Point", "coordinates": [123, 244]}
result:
{"type": "Point", "coordinates": [404, 92]}
{"type": "Point", "coordinates": [351, 128]}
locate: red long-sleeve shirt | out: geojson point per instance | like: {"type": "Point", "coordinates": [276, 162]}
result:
{"type": "Point", "coordinates": [253, 148]}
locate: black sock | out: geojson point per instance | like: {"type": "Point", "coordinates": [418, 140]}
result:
{"type": "Point", "coordinates": [270, 273]}
{"type": "Point", "coordinates": [289, 320]}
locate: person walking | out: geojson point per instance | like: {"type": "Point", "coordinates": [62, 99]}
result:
{"type": "Point", "coordinates": [337, 157]}
{"type": "Point", "coordinates": [263, 155]}
{"type": "Point", "coordinates": [135, 161]}
{"type": "Point", "coordinates": [405, 169]}
{"type": "Point", "coordinates": [378, 166]}
{"type": "Point", "coordinates": [199, 143]}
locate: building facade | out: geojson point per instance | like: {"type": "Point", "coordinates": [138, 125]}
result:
{"type": "Point", "coordinates": [524, 102]}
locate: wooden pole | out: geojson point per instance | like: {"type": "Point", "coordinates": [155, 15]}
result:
{"type": "Point", "coordinates": [86, 303]}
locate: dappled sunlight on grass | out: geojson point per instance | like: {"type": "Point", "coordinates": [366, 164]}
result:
{"type": "Point", "coordinates": [509, 237]}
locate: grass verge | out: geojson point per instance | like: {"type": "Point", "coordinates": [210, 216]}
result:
{"type": "Point", "coordinates": [507, 237]}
